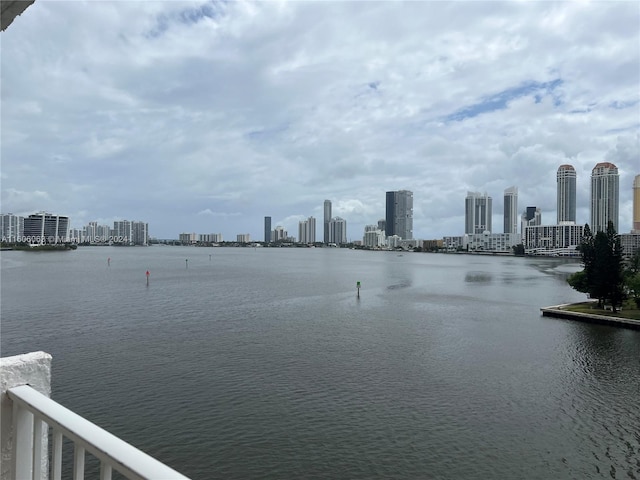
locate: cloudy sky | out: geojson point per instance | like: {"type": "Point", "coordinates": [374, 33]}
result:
{"type": "Point", "coordinates": [207, 116]}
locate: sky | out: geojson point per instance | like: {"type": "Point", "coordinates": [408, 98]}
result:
{"type": "Point", "coordinates": [208, 116]}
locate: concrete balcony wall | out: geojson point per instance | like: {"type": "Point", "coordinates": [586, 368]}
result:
{"type": "Point", "coordinates": [32, 369]}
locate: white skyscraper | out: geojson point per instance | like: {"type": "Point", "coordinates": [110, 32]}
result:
{"type": "Point", "coordinates": [605, 196]}
{"type": "Point", "coordinates": [338, 231]}
{"type": "Point", "coordinates": [11, 227]}
{"type": "Point", "coordinates": [566, 197]}
{"type": "Point", "coordinates": [307, 230]}
{"type": "Point", "coordinates": [511, 210]}
{"type": "Point", "coordinates": [478, 211]}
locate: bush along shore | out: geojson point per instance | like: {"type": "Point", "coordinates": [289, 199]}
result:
{"type": "Point", "coordinates": [38, 248]}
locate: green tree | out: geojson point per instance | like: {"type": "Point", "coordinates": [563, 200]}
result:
{"type": "Point", "coordinates": [614, 271]}
{"type": "Point", "coordinates": [578, 281]}
{"type": "Point", "coordinates": [602, 277]}
{"type": "Point", "coordinates": [633, 287]}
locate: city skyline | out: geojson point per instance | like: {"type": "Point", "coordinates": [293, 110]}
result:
{"type": "Point", "coordinates": [210, 116]}
{"type": "Point", "coordinates": [605, 194]}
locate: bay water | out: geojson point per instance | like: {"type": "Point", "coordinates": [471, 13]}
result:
{"type": "Point", "coordinates": [252, 363]}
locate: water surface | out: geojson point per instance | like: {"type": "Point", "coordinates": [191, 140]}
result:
{"type": "Point", "coordinates": [262, 363]}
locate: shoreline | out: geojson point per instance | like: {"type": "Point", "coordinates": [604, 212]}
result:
{"type": "Point", "coordinates": [556, 311]}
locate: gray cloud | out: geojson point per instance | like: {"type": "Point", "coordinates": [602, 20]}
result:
{"type": "Point", "coordinates": [207, 116]}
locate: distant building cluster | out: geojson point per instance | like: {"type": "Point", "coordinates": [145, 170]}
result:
{"type": "Point", "coordinates": [334, 230]}
{"type": "Point", "coordinates": [123, 232]}
{"type": "Point", "coordinates": [45, 228]}
{"type": "Point", "coordinates": [200, 238]}
{"type": "Point", "coordinates": [561, 238]}
{"type": "Point", "coordinates": [40, 228]}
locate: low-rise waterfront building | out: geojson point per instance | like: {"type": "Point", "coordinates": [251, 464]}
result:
{"type": "Point", "coordinates": [188, 238]}
{"type": "Point", "coordinates": [553, 239]}
{"type": "Point", "coordinates": [490, 242]}
{"type": "Point", "coordinates": [46, 228]}
{"type": "Point", "coordinates": [432, 245]}
{"type": "Point", "coordinates": [394, 241]}
{"type": "Point", "coordinates": [630, 243]}
{"type": "Point", "coordinates": [451, 244]}
{"type": "Point", "coordinates": [373, 238]}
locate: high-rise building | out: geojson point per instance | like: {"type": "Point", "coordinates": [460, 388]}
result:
{"type": "Point", "coordinates": [338, 231]}
{"type": "Point", "coordinates": [478, 211]}
{"type": "Point", "coordinates": [243, 238]}
{"type": "Point", "coordinates": [139, 233]}
{"type": "Point", "coordinates": [46, 228]}
{"type": "Point", "coordinates": [566, 197]}
{"type": "Point", "coordinates": [511, 210]}
{"type": "Point", "coordinates": [11, 227]}
{"type": "Point", "coordinates": [530, 218]}
{"type": "Point", "coordinates": [605, 196]}
{"type": "Point", "coordinates": [327, 221]}
{"type": "Point", "coordinates": [279, 234]}
{"type": "Point", "coordinates": [267, 229]}
{"type": "Point", "coordinates": [636, 205]}
{"type": "Point", "coordinates": [307, 230]}
{"type": "Point", "coordinates": [399, 214]}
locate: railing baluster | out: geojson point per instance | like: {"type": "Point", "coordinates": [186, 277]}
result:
{"type": "Point", "coordinates": [78, 462]}
{"type": "Point", "coordinates": [56, 453]}
{"type": "Point", "coordinates": [37, 448]}
{"type": "Point", "coordinates": [112, 452]}
{"type": "Point", "coordinates": [23, 432]}
{"type": "Point", "coordinates": [105, 471]}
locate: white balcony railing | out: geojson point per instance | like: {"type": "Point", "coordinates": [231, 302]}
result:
{"type": "Point", "coordinates": [27, 416]}
{"type": "Point", "coordinates": [33, 411]}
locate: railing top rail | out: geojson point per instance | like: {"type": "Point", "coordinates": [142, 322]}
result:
{"type": "Point", "coordinates": [123, 456]}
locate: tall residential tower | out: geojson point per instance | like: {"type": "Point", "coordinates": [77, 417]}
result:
{"type": "Point", "coordinates": [477, 213]}
{"type": "Point", "coordinates": [267, 229]}
{"type": "Point", "coordinates": [566, 198]}
{"type": "Point", "coordinates": [511, 210]}
{"type": "Point", "coordinates": [605, 196]}
{"type": "Point", "coordinates": [327, 221]}
{"type": "Point", "coordinates": [635, 228]}
{"type": "Point", "coordinates": [399, 214]}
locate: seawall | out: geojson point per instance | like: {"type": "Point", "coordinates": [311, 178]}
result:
{"type": "Point", "coordinates": [557, 311]}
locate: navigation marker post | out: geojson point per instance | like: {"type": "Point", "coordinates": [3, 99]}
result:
{"type": "Point", "coordinates": [148, 277]}
{"type": "Point", "coordinates": [186, 263]}
{"type": "Point", "coordinates": [358, 287]}
{"type": "Point", "coordinates": [109, 262]}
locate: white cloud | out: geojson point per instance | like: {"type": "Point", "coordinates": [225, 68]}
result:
{"type": "Point", "coordinates": [268, 108]}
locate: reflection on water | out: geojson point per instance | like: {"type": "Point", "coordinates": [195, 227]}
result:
{"type": "Point", "coordinates": [477, 277]}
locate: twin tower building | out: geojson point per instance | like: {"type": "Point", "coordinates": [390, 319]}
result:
{"type": "Point", "coordinates": [605, 192]}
